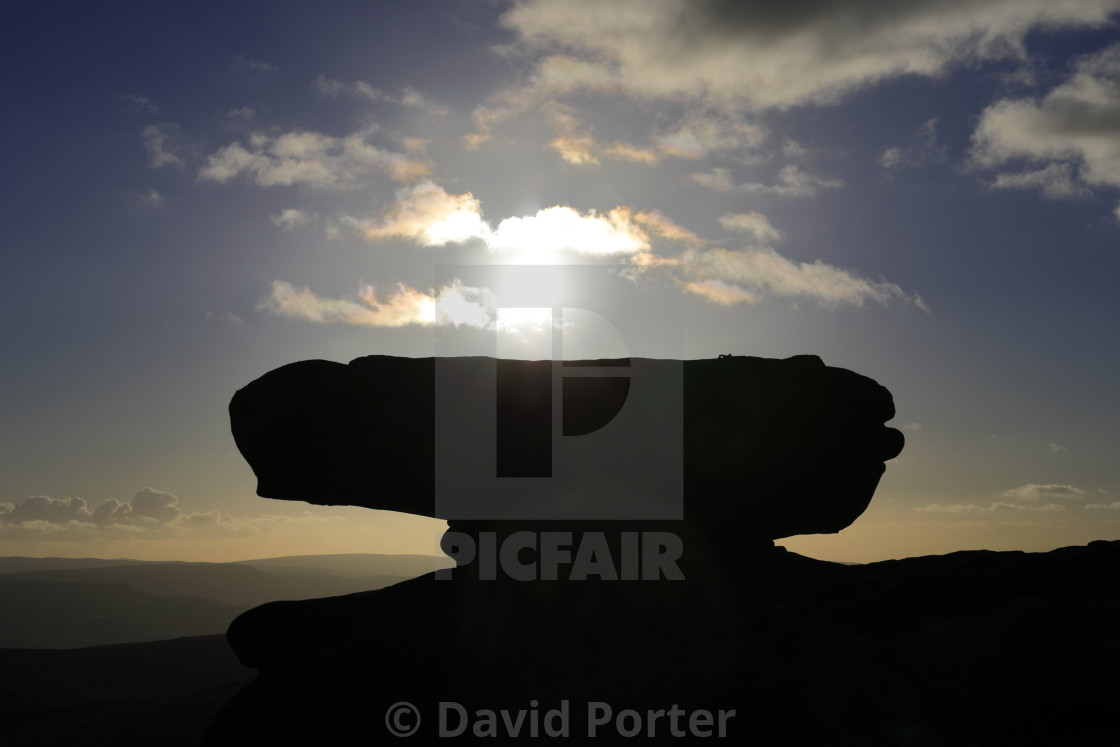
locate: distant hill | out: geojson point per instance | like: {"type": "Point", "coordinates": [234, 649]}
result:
{"type": "Point", "coordinates": [66, 603]}
{"type": "Point", "coordinates": [68, 615]}
{"type": "Point", "coordinates": [11, 564]}
{"type": "Point", "coordinates": [365, 565]}
{"type": "Point", "coordinates": [239, 585]}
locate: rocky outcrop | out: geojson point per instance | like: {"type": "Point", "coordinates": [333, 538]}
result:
{"type": "Point", "coordinates": [770, 448]}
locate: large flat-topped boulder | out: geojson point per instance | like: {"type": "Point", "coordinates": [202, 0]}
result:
{"type": "Point", "coordinates": [770, 448]}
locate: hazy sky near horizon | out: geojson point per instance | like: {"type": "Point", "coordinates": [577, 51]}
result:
{"type": "Point", "coordinates": [927, 193]}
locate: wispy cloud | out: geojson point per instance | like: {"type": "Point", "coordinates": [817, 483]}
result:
{"type": "Point", "coordinates": [408, 96]}
{"type": "Point", "coordinates": [699, 135]}
{"type": "Point", "coordinates": [925, 149]}
{"type": "Point", "coordinates": [792, 181]}
{"type": "Point", "coordinates": [720, 292]}
{"type": "Point", "coordinates": [575, 149]}
{"type": "Point", "coordinates": [139, 103]}
{"type": "Point", "coordinates": [661, 225]}
{"type": "Point", "coordinates": [623, 151]}
{"type": "Point", "coordinates": [311, 159]}
{"type": "Point", "coordinates": [226, 317]}
{"type": "Point", "coordinates": [290, 218]}
{"type": "Point", "coordinates": [754, 224]}
{"type": "Point", "coordinates": [243, 64]}
{"type": "Point", "coordinates": [149, 199]}
{"type": "Point", "coordinates": [997, 507]}
{"type": "Point", "coordinates": [242, 113]}
{"type": "Point", "coordinates": [163, 142]}
{"type": "Point", "coordinates": [1028, 498]}
{"type": "Point", "coordinates": [1034, 493]}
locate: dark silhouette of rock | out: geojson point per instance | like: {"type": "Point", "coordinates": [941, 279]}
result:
{"type": "Point", "coordinates": [765, 646]}
{"type": "Point", "coordinates": [771, 448]}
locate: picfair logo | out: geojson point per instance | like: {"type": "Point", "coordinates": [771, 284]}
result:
{"type": "Point", "coordinates": [560, 421]}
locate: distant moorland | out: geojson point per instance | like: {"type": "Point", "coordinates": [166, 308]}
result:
{"type": "Point", "coordinates": [72, 603]}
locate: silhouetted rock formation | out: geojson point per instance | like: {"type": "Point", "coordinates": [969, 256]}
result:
{"type": "Point", "coordinates": [771, 448]}
{"type": "Point", "coordinates": [925, 651]}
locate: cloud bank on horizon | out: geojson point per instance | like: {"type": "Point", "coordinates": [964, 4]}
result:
{"type": "Point", "coordinates": [149, 515]}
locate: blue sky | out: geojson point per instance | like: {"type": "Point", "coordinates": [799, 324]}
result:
{"type": "Point", "coordinates": [926, 193]}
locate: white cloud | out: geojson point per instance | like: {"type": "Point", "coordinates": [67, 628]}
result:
{"type": "Point", "coordinates": [754, 223]}
{"type": "Point", "coordinates": [399, 308]}
{"type": "Point", "coordinates": [311, 159]}
{"type": "Point", "coordinates": [290, 218]}
{"type": "Point", "coordinates": [1074, 130]}
{"type": "Point", "coordinates": [1057, 448]}
{"type": "Point", "coordinates": [1114, 506]}
{"type": "Point", "coordinates": [912, 427]}
{"type": "Point", "coordinates": [162, 142]}
{"type": "Point", "coordinates": [558, 228]}
{"type": "Point", "coordinates": [428, 215]}
{"type": "Point", "coordinates": [1034, 493]}
{"type": "Point", "coordinates": [771, 55]}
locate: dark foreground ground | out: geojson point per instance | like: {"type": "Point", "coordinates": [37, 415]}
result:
{"type": "Point", "coordinates": [970, 648]}
{"type": "Point", "coordinates": [163, 693]}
